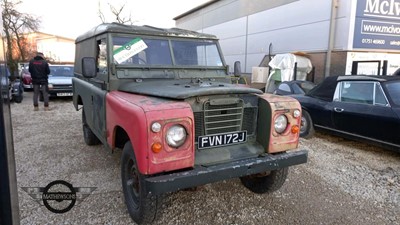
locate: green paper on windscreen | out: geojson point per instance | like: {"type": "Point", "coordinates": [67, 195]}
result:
{"type": "Point", "coordinates": [128, 50]}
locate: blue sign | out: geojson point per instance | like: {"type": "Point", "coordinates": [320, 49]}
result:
{"type": "Point", "coordinates": [377, 24]}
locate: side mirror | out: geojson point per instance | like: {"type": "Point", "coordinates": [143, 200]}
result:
{"type": "Point", "coordinates": [237, 70]}
{"type": "Point", "coordinates": [88, 67]}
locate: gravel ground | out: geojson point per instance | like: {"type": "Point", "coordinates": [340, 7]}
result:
{"type": "Point", "coordinates": [344, 182]}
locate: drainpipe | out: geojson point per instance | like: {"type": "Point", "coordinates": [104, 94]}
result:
{"type": "Point", "coordinates": [332, 29]}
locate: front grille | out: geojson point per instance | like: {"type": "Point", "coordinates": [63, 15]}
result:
{"type": "Point", "coordinates": [224, 119]}
{"type": "Point", "coordinates": [62, 86]}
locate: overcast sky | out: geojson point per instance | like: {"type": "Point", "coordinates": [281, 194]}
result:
{"type": "Point", "coordinates": [70, 18]}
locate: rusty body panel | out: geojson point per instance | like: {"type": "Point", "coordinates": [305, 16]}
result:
{"type": "Point", "coordinates": [282, 105]}
{"type": "Point", "coordinates": [135, 114]}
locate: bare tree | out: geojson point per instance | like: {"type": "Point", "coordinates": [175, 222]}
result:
{"type": "Point", "coordinates": [117, 13]}
{"type": "Point", "coordinates": [15, 25]}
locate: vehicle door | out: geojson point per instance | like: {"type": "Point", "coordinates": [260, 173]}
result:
{"type": "Point", "coordinates": [96, 109]}
{"type": "Point", "coordinates": [361, 108]}
{"type": "Point", "coordinates": [320, 111]}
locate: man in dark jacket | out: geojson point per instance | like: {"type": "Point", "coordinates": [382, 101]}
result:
{"type": "Point", "coordinates": [39, 69]}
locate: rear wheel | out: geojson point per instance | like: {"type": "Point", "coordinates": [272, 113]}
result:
{"type": "Point", "coordinates": [88, 135]}
{"type": "Point", "coordinates": [307, 126]}
{"type": "Point", "coordinates": [265, 182]}
{"type": "Point", "coordinates": [143, 207]}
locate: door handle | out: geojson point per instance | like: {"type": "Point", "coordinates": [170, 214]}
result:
{"type": "Point", "coordinates": [338, 109]}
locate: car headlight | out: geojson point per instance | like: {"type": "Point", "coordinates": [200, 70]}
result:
{"type": "Point", "coordinates": [156, 127]}
{"type": "Point", "coordinates": [296, 113]}
{"type": "Point", "coordinates": [50, 86]}
{"type": "Point", "coordinates": [176, 136]}
{"type": "Point", "coordinates": [280, 123]}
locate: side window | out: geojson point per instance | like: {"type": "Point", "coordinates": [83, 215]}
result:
{"type": "Point", "coordinates": [102, 56]}
{"type": "Point", "coordinates": [380, 98]}
{"type": "Point", "coordinates": [357, 92]}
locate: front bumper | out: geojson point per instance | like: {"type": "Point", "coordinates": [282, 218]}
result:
{"type": "Point", "coordinates": [28, 86]}
{"type": "Point", "coordinates": [60, 91]}
{"type": "Point", "coordinates": [201, 175]}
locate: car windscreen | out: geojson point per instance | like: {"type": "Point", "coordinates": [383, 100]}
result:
{"type": "Point", "coordinates": [196, 53]}
{"type": "Point", "coordinates": [307, 86]}
{"type": "Point", "coordinates": [324, 90]}
{"type": "Point", "coordinates": [62, 71]}
{"type": "Point", "coordinates": [393, 89]}
{"type": "Point", "coordinates": [137, 51]}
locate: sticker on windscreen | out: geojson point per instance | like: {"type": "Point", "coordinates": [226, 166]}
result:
{"type": "Point", "coordinates": [128, 50]}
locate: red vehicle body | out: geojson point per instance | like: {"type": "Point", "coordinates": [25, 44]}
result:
{"type": "Point", "coordinates": [26, 79]}
{"type": "Point", "coordinates": [124, 109]}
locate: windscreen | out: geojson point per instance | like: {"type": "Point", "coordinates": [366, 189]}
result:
{"type": "Point", "coordinates": [196, 53]}
{"type": "Point", "coordinates": [394, 91]}
{"type": "Point", "coordinates": [62, 71]}
{"type": "Point", "coordinates": [138, 51]}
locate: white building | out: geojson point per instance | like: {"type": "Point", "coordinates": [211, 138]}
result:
{"type": "Point", "coordinates": [340, 36]}
{"type": "Point", "coordinates": [59, 49]}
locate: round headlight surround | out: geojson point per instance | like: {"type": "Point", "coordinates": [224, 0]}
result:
{"type": "Point", "coordinates": [176, 136]}
{"type": "Point", "coordinates": [296, 113]}
{"type": "Point", "coordinates": [280, 123]}
{"type": "Point", "coordinates": [156, 127]}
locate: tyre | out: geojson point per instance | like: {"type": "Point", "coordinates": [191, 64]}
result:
{"type": "Point", "coordinates": [18, 99]}
{"type": "Point", "coordinates": [143, 207]}
{"type": "Point", "coordinates": [265, 183]}
{"type": "Point", "coordinates": [307, 126]}
{"type": "Point", "coordinates": [88, 135]}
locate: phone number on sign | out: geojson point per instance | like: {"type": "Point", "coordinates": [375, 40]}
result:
{"type": "Point", "coordinates": [373, 41]}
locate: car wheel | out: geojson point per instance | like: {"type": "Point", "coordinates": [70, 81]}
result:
{"type": "Point", "coordinates": [143, 207]}
{"type": "Point", "coordinates": [88, 135]}
{"type": "Point", "coordinates": [307, 126]}
{"type": "Point", "coordinates": [265, 182]}
{"type": "Point", "coordinates": [18, 99]}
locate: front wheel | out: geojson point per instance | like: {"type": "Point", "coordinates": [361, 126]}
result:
{"type": "Point", "coordinates": [307, 126]}
{"type": "Point", "coordinates": [265, 182]}
{"type": "Point", "coordinates": [143, 207]}
{"type": "Point", "coordinates": [18, 98]}
{"type": "Point", "coordinates": [88, 135]}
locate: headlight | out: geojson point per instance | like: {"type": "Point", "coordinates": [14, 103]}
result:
{"type": "Point", "coordinates": [296, 113]}
{"type": "Point", "coordinates": [280, 123]}
{"type": "Point", "coordinates": [176, 136]}
{"type": "Point", "coordinates": [50, 86]}
{"type": "Point", "coordinates": [156, 127]}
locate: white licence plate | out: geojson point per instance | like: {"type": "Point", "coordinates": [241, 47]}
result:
{"type": "Point", "coordinates": [218, 140]}
{"type": "Point", "coordinates": [65, 94]}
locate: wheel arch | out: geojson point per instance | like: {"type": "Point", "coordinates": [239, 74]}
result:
{"type": "Point", "coordinates": [120, 137]}
{"type": "Point", "coordinates": [77, 100]}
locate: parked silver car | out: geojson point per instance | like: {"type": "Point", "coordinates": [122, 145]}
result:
{"type": "Point", "coordinates": [60, 80]}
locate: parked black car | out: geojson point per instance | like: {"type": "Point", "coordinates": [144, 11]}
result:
{"type": "Point", "coordinates": [358, 107]}
{"type": "Point", "coordinates": [10, 88]}
{"type": "Point", "coordinates": [294, 87]}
